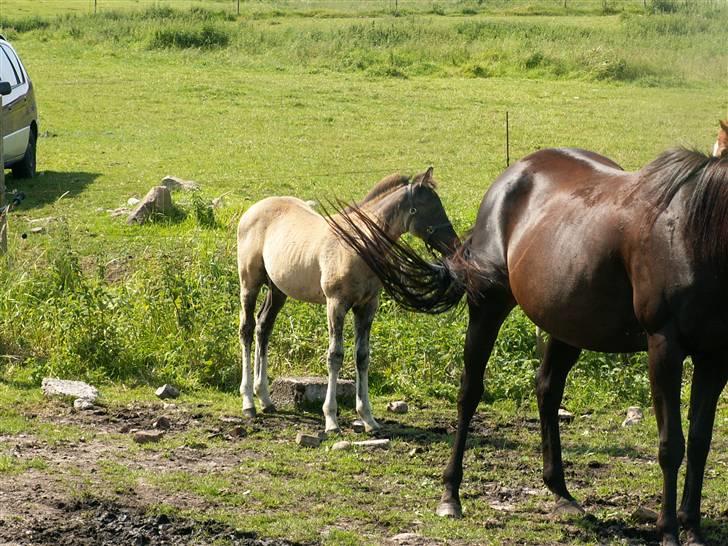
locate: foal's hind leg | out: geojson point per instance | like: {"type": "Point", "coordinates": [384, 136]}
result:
{"type": "Point", "coordinates": [558, 359]}
{"type": "Point", "coordinates": [336, 311]}
{"type": "Point", "coordinates": [249, 289]}
{"type": "Point", "coordinates": [709, 379]}
{"type": "Point", "coordinates": [484, 322]}
{"type": "Point", "coordinates": [363, 317]}
{"type": "Point", "coordinates": [274, 301]}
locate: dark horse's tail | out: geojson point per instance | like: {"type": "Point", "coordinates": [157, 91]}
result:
{"type": "Point", "coordinates": [414, 283]}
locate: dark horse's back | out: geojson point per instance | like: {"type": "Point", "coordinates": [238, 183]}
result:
{"type": "Point", "coordinates": [554, 229]}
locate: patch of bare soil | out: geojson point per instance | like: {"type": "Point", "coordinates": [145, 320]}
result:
{"type": "Point", "coordinates": [96, 522]}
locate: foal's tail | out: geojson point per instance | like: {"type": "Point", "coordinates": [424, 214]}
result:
{"type": "Point", "coordinates": [414, 283]}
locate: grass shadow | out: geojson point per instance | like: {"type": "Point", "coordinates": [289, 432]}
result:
{"type": "Point", "coordinates": [48, 186]}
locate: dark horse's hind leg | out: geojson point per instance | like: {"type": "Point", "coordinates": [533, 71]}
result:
{"type": "Point", "coordinates": [274, 301]}
{"type": "Point", "coordinates": [485, 319]}
{"type": "Point", "coordinates": [558, 359]}
{"type": "Point", "coordinates": [709, 379]}
{"type": "Point", "coordinates": [666, 364]}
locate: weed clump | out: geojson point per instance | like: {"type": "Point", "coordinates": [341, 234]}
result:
{"type": "Point", "coordinates": [205, 36]}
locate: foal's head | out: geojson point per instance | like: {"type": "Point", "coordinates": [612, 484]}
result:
{"type": "Point", "coordinates": [426, 217]}
{"type": "Point", "coordinates": [720, 149]}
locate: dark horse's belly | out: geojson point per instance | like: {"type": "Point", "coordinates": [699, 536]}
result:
{"type": "Point", "coordinates": [560, 237]}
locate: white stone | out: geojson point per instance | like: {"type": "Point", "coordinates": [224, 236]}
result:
{"type": "Point", "coordinates": [64, 387]}
{"type": "Point", "coordinates": [83, 404]}
{"type": "Point", "coordinates": [398, 406]}
{"type": "Point", "coordinates": [565, 415]}
{"type": "Point", "coordinates": [381, 444]}
{"type": "Point", "coordinates": [634, 416]}
{"type": "Point", "coordinates": [341, 446]}
{"type": "Point", "coordinates": [176, 183]}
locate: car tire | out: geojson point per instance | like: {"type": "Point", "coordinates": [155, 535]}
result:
{"type": "Point", "coordinates": [25, 168]}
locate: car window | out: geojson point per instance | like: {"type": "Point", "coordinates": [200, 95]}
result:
{"type": "Point", "coordinates": [8, 73]}
{"type": "Point", "coordinates": [15, 62]}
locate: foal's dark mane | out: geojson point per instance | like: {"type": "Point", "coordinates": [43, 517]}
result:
{"type": "Point", "coordinates": [384, 186]}
{"type": "Point", "coordinates": [706, 203]}
{"type": "Point", "coordinates": [390, 183]}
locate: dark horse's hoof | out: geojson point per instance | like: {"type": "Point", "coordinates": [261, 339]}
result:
{"type": "Point", "coordinates": [694, 538]}
{"type": "Point", "coordinates": [249, 413]}
{"type": "Point", "coordinates": [270, 409]}
{"type": "Point", "coordinates": [449, 509]}
{"type": "Point", "coordinates": [566, 507]}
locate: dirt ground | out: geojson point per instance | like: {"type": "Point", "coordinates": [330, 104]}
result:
{"type": "Point", "coordinates": [67, 497]}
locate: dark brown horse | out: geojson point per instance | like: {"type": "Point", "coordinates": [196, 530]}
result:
{"type": "Point", "coordinates": [601, 259]}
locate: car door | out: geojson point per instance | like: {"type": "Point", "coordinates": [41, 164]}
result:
{"type": "Point", "coordinates": [15, 124]}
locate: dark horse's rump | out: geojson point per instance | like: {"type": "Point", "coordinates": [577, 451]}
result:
{"type": "Point", "coordinates": [601, 259]}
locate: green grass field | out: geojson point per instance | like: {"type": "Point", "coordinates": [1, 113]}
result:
{"type": "Point", "coordinates": [321, 100]}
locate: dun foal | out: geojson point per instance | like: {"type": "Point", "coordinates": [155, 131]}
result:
{"type": "Point", "coordinates": [284, 243]}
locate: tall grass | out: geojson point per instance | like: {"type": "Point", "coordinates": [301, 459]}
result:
{"type": "Point", "coordinates": [172, 316]}
{"type": "Point", "coordinates": [665, 48]}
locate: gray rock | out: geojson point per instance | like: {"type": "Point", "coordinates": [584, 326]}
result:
{"type": "Point", "coordinates": [634, 416]}
{"type": "Point", "coordinates": [644, 515]}
{"type": "Point", "coordinates": [237, 432]}
{"type": "Point", "coordinates": [342, 445]}
{"type": "Point", "coordinates": [175, 183]}
{"type": "Point", "coordinates": [157, 201]}
{"type": "Point", "coordinates": [73, 389]}
{"type": "Point", "coordinates": [398, 406]}
{"type": "Point", "coordinates": [309, 392]}
{"type": "Point", "coordinates": [132, 201]}
{"type": "Point", "coordinates": [83, 404]}
{"type": "Point", "coordinates": [167, 391]}
{"type": "Point", "coordinates": [148, 436]}
{"type": "Point", "coordinates": [37, 229]}
{"type": "Point", "coordinates": [308, 440]}
{"type": "Point", "coordinates": [161, 423]}
{"type": "Point", "coordinates": [407, 539]}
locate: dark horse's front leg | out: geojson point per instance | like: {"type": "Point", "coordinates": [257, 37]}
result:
{"type": "Point", "coordinates": [666, 364]}
{"type": "Point", "coordinates": [485, 319]}
{"type": "Point", "coordinates": [558, 359]}
{"type": "Point", "coordinates": [709, 379]}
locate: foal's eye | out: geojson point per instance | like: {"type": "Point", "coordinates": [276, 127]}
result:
{"type": "Point", "coordinates": [413, 211]}
{"type": "Point", "coordinates": [430, 230]}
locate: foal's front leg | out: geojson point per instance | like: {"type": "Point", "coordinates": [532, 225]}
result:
{"type": "Point", "coordinates": [363, 317]}
{"type": "Point", "coordinates": [336, 311]}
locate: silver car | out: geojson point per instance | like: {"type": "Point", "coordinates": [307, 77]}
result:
{"type": "Point", "coordinates": [19, 114]}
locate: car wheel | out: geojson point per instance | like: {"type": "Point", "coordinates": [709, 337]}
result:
{"type": "Point", "coordinates": [25, 168]}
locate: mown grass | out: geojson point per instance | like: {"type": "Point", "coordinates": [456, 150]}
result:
{"type": "Point", "coordinates": [315, 107]}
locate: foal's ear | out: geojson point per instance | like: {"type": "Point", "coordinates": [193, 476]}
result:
{"type": "Point", "coordinates": [427, 178]}
{"type": "Point", "coordinates": [724, 125]}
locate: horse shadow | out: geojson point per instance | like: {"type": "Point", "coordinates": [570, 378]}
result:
{"type": "Point", "coordinates": [611, 529]}
{"type": "Point", "coordinates": [48, 186]}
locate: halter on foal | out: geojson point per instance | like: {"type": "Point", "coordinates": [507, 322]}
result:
{"type": "Point", "coordinates": [284, 243]}
{"type": "Point", "coordinates": [601, 259]}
